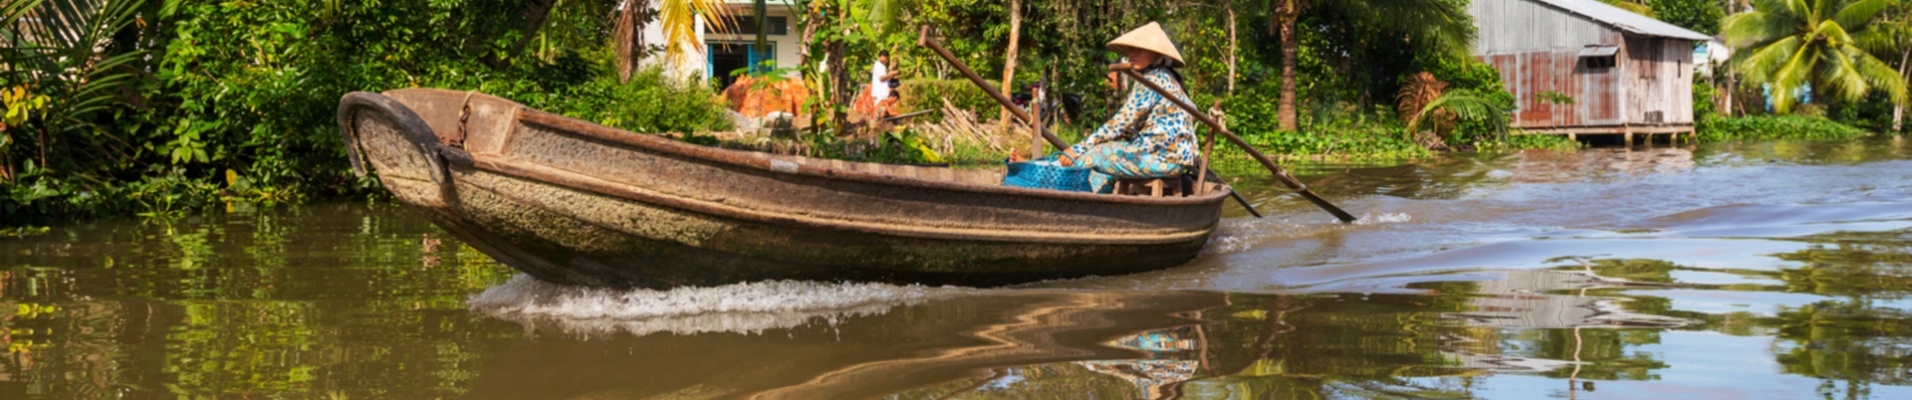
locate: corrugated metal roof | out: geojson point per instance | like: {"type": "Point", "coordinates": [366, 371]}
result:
{"type": "Point", "coordinates": [1624, 20]}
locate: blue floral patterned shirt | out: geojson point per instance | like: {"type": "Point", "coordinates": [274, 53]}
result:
{"type": "Point", "coordinates": [1169, 131]}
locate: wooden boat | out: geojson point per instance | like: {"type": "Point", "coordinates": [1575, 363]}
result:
{"type": "Point", "coordinates": [573, 202]}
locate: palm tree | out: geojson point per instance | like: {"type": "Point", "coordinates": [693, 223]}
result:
{"type": "Point", "coordinates": [680, 28]}
{"type": "Point", "coordinates": [1440, 24]}
{"type": "Point", "coordinates": [1892, 38]}
{"type": "Point", "coordinates": [1790, 44]}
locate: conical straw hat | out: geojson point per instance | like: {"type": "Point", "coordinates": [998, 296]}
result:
{"type": "Point", "coordinates": [1150, 37]}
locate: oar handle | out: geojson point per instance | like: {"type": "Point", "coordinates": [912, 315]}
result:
{"type": "Point", "coordinates": [925, 40]}
{"type": "Point", "coordinates": [1280, 174]}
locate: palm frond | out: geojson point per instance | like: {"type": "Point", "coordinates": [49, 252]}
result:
{"type": "Point", "coordinates": [1759, 64]}
{"type": "Point", "coordinates": [1797, 8]}
{"type": "Point", "coordinates": [1791, 75]}
{"type": "Point", "coordinates": [1841, 79]}
{"type": "Point", "coordinates": [1858, 14]}
{"type": "Point", "coordinates": [1463, 105]}
{"type": "Point", "coordinates": [70, 56]}
{"type": "Point", "coordinates": [679, 19]}
{"type": "Point", "coordinates": [1880, 76]}
{"type": "Point", "coordinates": [1757, 29]}
{"type": "Point", "coordinates": [1421, 88]}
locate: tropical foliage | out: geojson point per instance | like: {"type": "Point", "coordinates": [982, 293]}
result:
{"type": "Point", "coordinates": [132, 106]}
{"type": "Point", "coordinates": [1816, 43]}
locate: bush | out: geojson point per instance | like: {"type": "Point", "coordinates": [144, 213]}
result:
{"type": "Point", "coordinates": [928, 94]}
{"type": "Point", "coordinates": [648, 104]}
{"type": "Point", "coordinates": [1775, 127]}
{"type": "Point", "coordinates": [1703, 106]}
{"type": "Point", "coordinates": [1335, 133]}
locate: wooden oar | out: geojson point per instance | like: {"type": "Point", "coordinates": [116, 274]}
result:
{"type": "Point", "coordinates": [925, 41]}
{"type": "Point", "coordinates": [1280, 174]}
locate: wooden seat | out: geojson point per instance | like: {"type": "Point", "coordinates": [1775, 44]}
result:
{"type": "Point", "coordinates": [1152, 187]}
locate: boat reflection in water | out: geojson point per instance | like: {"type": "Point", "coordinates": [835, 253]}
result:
{"type": "Point", "coordinates": [890, 338]}
{"type": "Point", "coordinates": [863, 340]}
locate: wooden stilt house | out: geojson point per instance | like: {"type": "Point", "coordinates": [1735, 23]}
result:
{"type": "Point", "coordinates": [1584, 67]}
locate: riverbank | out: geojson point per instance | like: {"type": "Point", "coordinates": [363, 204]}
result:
{"type": "Point", "coordinates": [36, 199]}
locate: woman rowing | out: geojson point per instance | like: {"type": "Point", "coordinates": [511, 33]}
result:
{"type": "Point", "coordinates": [1149, 137]}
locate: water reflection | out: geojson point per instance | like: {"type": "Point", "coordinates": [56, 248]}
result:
{"type": "Point", "coordinates": [1750, 270]}
{"type": "Point", "coordinates": [903, 347]}
{"type": "Point", "coordinates": [307, 302]}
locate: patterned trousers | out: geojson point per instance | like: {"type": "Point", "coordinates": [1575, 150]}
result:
{"type": "Point", "coordinates": [1109, 161]}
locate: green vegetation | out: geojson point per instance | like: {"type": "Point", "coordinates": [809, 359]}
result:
{"type": "Point", "coordinates": [1775, 127]}
{"type": "Point", "coordinates": [168, 105]}
{"type": "Point", "coordinates": [208, 100]}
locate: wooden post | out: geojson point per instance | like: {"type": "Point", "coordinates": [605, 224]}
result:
{"type": "Point", "coordinates": [1035, 137]}
{"type": "Point", "coordinates": [1208, 146]}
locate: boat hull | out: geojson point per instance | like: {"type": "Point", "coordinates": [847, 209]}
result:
{"type": "Point", "coordinates": [572, 202]}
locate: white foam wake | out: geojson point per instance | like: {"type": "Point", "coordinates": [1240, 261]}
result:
{"type": "Point", "coordinates": [741, 308]}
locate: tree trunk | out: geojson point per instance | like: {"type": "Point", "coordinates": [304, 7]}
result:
{"type": "Point", "coordinates": [1286, 13]}
{"type": "Point", "coordinates": [629, 37]}
{"type": "Point", "coordinates": [839, 89]}
{"type": "Point", "coordinates": [1231, 47]}
{"type": "Point", "coordinates": [1009, 61]}
{"type": "Point", "coordinates": [1898, 110]}
{"type": "Point", "coordinates": [1732, 85]}
{"type": "Point", "coordinates": [811, 23]}
{"type": "Point", "coordinates": [763, 42]}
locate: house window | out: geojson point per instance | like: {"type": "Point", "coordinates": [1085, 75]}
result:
{"type": "Point", "coordinates": [730, 58]}
{"type": "Point", "coordinates": [747, 25]}
{"type": "Point", "coordinates": [1599, 57]}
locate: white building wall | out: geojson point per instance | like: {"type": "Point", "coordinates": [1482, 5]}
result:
{"type": "Point", "coordinates": [696, 64]}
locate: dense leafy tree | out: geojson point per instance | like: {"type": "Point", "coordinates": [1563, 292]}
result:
{"type": "Point", "coordinates": [1440, 25]}
{"type": "Point", "coordinates": [1701, 16]}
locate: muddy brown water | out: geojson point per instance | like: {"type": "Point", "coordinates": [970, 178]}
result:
{"type": "Point", "coordinates": [1774, 269]}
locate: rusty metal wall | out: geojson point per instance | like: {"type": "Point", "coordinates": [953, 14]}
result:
{"type": "Point", "coordinates": [1662, 82]}
{"type": "Point", "coordinates": [1523, 26]}
{"type": "Point", "coordinates": [1595, 92]}
{"type": "Point", "coordinates": [1536, 48]}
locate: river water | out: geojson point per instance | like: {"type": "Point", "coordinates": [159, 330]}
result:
{"type": "Point", "coordinates": [1775, 269]}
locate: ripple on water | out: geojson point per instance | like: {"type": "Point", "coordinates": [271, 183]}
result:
{"type": "Point", "coordinates": [738, 308]}
{"type": "Point", "coordinates": [1241, 234]}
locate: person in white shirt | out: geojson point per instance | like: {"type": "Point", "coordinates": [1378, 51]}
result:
{"type": "Point", "coordinates": [880, 75]}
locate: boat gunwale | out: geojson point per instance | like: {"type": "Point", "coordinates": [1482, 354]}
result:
{"type": "Point", "coordinates": [546, 175]}
{"type": "Point", "coordinates": [767, 162]}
